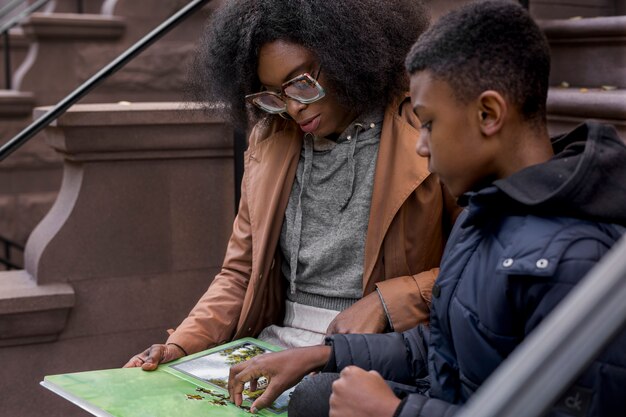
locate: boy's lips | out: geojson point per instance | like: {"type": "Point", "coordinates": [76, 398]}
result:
{"type": "Point", "coordinates": [310, 125]}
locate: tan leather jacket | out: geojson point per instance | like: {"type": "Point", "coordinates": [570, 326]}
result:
{"type": "Point", "coordinates": [406, 234]}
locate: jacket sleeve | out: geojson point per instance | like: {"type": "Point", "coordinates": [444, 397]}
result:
{"type": "Point", "coordinates": [398, 357]}
{"type": "Point", "coordinates": [406, 300]}
{"type": "Point", "coordinates": [426, 219]}
{"type": "Point", "coordinates": [214, 318]}
{"type": "Point", "coordinates": [418, 405]}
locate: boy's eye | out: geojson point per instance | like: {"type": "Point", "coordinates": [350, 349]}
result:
{"type": "Point", "coordinates": [428, 126]}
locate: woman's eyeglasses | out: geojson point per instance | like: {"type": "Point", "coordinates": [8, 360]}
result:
{"type": "Point", "coordinates": [304, 89]}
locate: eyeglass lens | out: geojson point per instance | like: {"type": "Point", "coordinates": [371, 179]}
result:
{"type": "Point", "coordinates": [270, 102]}
{"type": "Point", "coordinates": [302, 89]}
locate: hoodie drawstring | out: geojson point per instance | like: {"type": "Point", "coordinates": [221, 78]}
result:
{"type": "Point", "coordinates": [351, 165]}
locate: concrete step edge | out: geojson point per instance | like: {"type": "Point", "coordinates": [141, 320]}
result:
{"type": "Point", "coordinates": [592, 103]}
{"type": "Point", "coordinates": [584, 28]}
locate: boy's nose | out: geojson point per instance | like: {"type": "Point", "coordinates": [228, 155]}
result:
{"type": "Point", "coordinates": [421, 147]}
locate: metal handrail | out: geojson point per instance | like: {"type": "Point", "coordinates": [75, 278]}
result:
{"type": "Point", "coordinates": [543, 367]}
{"type": "Point", "coordinates": [15, 20]}
{"type": "Point", "coordinates": [52, 114]}
{"type": "Point", "coordinates": [8, 8]}
{"type": "Point", "coordinates": [4, 32]}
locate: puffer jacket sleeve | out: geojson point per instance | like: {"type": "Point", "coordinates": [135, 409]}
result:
{"type": "Point", "coordinates": [398, 357]}
{"type": "Point", "coordinates": [417, 405]}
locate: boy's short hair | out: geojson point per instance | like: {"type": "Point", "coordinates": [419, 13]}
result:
{"type": "Point", "coordinates": [490, 45]}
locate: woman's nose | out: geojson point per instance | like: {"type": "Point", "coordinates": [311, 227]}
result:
{"type": "Point", "coordinates": [294, 107]}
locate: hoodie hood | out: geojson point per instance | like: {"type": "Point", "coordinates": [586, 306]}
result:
{"type": "Point", "coordinates": [585, 179]}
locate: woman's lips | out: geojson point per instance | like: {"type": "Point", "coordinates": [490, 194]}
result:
{"type": "Point", "coordinates": [311, 125]}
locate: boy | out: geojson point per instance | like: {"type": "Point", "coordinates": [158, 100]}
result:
{"type": "Point", "coordinates": [537, 218]}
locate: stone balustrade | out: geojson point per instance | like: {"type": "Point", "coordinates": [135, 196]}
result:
{"type": "Point", "coordinates": [137, 232]}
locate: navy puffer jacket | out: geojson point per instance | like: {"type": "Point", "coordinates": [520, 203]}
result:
{"type": "Point", "coordinates": [516, 251]}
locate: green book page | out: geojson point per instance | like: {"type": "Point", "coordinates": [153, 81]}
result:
{"type": "Point", "coordinates": [181, 388]}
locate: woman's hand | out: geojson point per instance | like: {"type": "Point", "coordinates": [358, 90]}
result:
{"type": "Point", "coordinates": [282, 369]}
{"type": "Point", "coordinates": [359, 393]}
{"type": "Point", "coordinates": [365, 316]}
{"type": "Point", "coordinates": [150, 358]}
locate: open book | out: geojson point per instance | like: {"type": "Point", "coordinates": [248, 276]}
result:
{"type": "Point", "coordinates": [194, 385]}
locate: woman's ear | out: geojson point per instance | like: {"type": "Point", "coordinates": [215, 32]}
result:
{"type": "Point", "coordinates": [492, 110]}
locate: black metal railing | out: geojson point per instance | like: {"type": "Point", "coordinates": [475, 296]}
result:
{"type": "Point", "coordinates": [9, 7]}
{"type": "Point", "coordinates": [4, 32]}
{"type": "Point", "coordinates": [57, 110]}
{"type": "Point", "coordinates": [8, 253]}
{"type": "Point", "coordinates": [239, 140]}
{"type": "Point", "coordinates": [14, 21]}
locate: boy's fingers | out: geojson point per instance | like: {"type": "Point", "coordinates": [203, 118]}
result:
{"type": "Point", "coordinates": [267, 398]}
{"type": "Point", "coordinates": [236, 386]}
{"type": "Point", "coordinates": [347, 371]}
{"type": "Point", "coordinates": [234, 393]}
{"type": "Point", "coordinates": [235, 369]}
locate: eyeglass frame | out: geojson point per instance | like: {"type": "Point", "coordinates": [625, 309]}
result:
{"type": "Point", "coordinates": [282, 95]}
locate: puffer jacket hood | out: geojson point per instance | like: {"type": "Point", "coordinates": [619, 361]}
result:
{"type": "Point", "coordinates": [586, 179]}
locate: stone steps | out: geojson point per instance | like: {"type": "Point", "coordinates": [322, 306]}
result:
{"type": "Point", "coordinates": [588, 72]}
{"type": "Point", "coordinates": [559, 9]}
{"type": "Point", "coordinates": [31, 177]}
{"type": "Point", "coordinates": [58, 42]}
{"type": "Point", "coordinates": [568, 107]}
{"type": "Point", "coordinates": [57, 51]}
{"type": "Point", "coordinates": [588, 52]}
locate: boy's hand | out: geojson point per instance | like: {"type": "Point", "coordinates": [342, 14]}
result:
{"type": "Point", "coordinates": [150, 358]}
{"type": "Point", "coordinates": [282, 369]}
{"type": "Point", "coordinates": [361, 393]}
{"type": "Point", "coordinates": [365, 316]}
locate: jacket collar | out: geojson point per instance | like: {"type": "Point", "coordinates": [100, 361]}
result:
{"type": "Point", "coordinates": [399, 171]}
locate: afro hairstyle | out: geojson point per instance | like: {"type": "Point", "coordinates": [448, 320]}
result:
{"type": "Point", "coordinates": [361, 44]}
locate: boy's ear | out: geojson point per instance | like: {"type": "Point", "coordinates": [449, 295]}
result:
{"type": "Point", "coordinates": [492, 110]}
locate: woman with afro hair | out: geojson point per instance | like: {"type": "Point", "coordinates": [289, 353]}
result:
{"type": "Point", "coordinates": [340, 226]}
